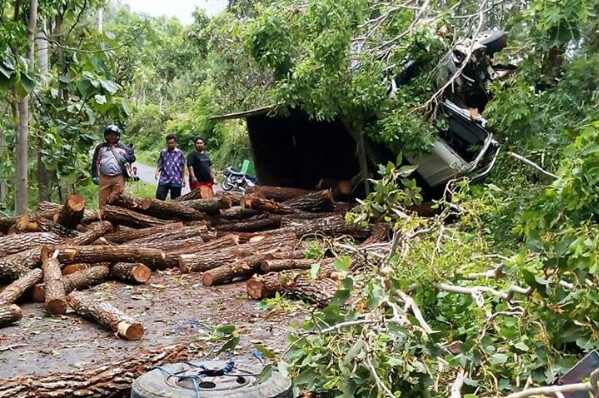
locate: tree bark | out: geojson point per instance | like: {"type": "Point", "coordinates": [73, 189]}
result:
{"type": "Point", "coordinates": [17, 243]}
{"type": "Point", "coordinates": [170, 246]}
{"type": "Point", "coordinates": [107, 380]}
{"type": "Point", "coordinates": [278, 194]}
{"type": "Point", "coordinates": [93, 233]}
{"type": "Point", "coordinates": [251, 226]}
{"type": "Point", "coordinates": [78, 280]}
{"type": "Point", "coordinates": [242, 268]}
{"type": "Point", "coordinates": [124, 234]}
{"type": "Point", "coordinates": [71, 213]}
{"type": "Point", "coordinates": [89, 215]}
{"type": "Point", "coordinates": [318, 292]}
{"type": "Point", "coordinates": [131, 272]}
{"type": "Point", "coordinates": [113, 254]}
{"type": "Point", "coordinates": [106, 315]}
{"type": "Point", "coordinates": [16, 265]}
{"type": "Point", "coordinates": [330, 226]}
{"type": "Point", "coordinates": [121, 216]}
{"type": "Point", "coordinates": [191, 195]}
{"type": "Point", "coordinates": [12, 292]}
{"type": "Point", "coordinates": [380, 234]}
{"type": "Point", "coordinates": [223, 243]}
{"type": "Point", "coordinates": [36, 223]}
{"type": "Point", "coordinates": [170, 210]}
{"type": "Point", "coordinates": [314, 202]}
{"type": "Point", "coordinates": [277, 265]}
{"type": "Point", "coordinates": [55, 294]}
{"type": "Point", "coordinates": [72, 268]}
{"type": "Point", "coordinates": [10, 314]}
{"type": "Point", "coordinates": [210, 206]}
{"type": "Point", "coordinates": [170, 235]}
{"type": "Point", "coordinates": [239, 213]}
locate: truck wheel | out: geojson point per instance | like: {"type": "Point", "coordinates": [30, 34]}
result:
{"type": "Point", "coordinates": [493, 40]}
{"type": "Point", "coordinates": [240, 383]}
{"type": "Point", "coordinates": [225, 185]}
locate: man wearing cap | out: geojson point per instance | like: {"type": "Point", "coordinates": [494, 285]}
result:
{"type": "Point", "coordinates": [109, 165]}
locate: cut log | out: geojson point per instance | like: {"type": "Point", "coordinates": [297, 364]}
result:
{"type": "Point", "coordinates": [126, 202]}
{"type": "Point", "coordinates": [314, 202]}
{"type": "Point", "coordinates": [266, 205]}
{"type": "Point", "coordinates": [251, 226]}
{"type": "Point", "coordinates": [286, 264]}
{"type": "Point", "coordinates": [380, 233]}
{"type": "Point", "coordinates": [10, 314]}
{"type": "Point", "coordinates": [16, 265]}
{"type": "Point", "coordinates": [6, 223]}
{"type": "Point", "coordinates": [170, 210]}
{"type": "Point", "coordinates": [72, 268]}
{"type": "Point", "coordinates": [131, 272]}
{"type": "Point", "coordinates": [318, 292]}
{"type": "Point", "coordinates": [79, 280]}
{"type": "Point", "coordinates": [125, 234]}
{"type": "Point", "coordinates": [106, 315]}
{"type": "Point", "coordinates": [113, 254]}
{"type": "Point", "coordinates": [341, 190]}
{"type": "Point", "coordinates": [33, 223]}
{"type": "Point", "coordinates": [171, 234]}
{"type": "Point", "coordinates": [12, 292]}
{"type": "Point", "coordinates": [71, 213]}
{"type": "Point", "coordinates": [107, 380]}
{"type": "Point", "coordinates": [94, 232]}
{"type": "Point", "coordinates": [224, 242]}
{"type": "Point", "coordinates": [278, 194]}
{"type": "Point", "coordinates": [239, 213]}
{"type": "Point", "coordinates": [17, 243]}
{"type": "Point", "coordinates": [55, 295]}
{"type": "Point", "coordinates": [243, 268]}
{"type": "Point", "coordinates": [191, 195]}
{"type": "Point", "coordinates": [331, 226]}
{"type": "Point", "coordinates": [209, 206]}
{"type": "Point", "coordinates": [129, 218]}
{"type": "Point", "coordinates": [233, 197]}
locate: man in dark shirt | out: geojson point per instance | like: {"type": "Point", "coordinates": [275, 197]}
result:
{"type": "Point", "coordinates": [200, 170]}
{"type": "Point", "coordinates": [171, 169]}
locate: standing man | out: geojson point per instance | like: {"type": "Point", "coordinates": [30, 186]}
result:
{"type": "Point", "coordinates": [171, 169]}
{"type": "Point", "coordinates": [200, 171]}
{"type": "Point", "coordinates": [109, 165]}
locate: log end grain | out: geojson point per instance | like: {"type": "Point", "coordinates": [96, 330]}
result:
{"type": "Point", "coordinates": [10, 314]}
{"type": "Point", "coordinates": [140, 273]}
{"type": "Point", "coordinates": [37, 293]}
{"type": "Point", "coordinates": [207, 279]}
{"type": "Point", "coordinates": [56, 306]}
{"type": "Point", "coordinates": [130, 331]}
{"type": "Point", "coordinates": [254, 289]}
{"type": "Point", "coordinates": [72, 268]}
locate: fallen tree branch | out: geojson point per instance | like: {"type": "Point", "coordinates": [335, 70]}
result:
{"type": "Point", "coordinates": [411, 304]}
{"type": "Point", "coordinates": [533, 164]}
{"type": "Point", "coordinates": [590, 386]}
{"type": "Point", "coordinates": [456, 387]}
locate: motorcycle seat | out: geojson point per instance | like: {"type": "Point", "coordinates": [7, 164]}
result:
{"type": "Point", "coordinates": [235, 172]}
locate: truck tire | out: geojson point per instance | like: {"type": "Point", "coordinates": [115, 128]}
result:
{"type": "Point", "coordinates": [237, 384]}
{"type": "Point", "coordinates": [493, 40]}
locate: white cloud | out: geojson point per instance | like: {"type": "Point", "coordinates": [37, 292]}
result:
{"type": "Point", "coordinates": [181, 9]}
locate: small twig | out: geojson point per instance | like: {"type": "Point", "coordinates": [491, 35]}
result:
{"type": "Point", "coordinates": [456, 387]}
{"type": "Point", "coordinates": [533, 164]}
{"type": "Point", "coordinates": [377, 379]}
{"type": "Point", "coordinates": [490, 274]}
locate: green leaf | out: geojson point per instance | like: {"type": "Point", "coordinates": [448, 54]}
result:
{"type": "Point", "coordinates": [497, 359]}
{"type": "Point", "coordinates": [229, 345]}
{"type": "Point", "coordinates": [100, 99]}
{"type": "Point", "coordinates": [225, 329]}
{"type": "Point", "coordinates": [27, 83]}
{"type": "Point", "coordinates": [405, 171]}
{"type": "Point", "coordinates": [264, 351]}
{"type": "Point", "coordinates": [354, 350]}
{"type": "Point", "coordinates": [342, 263]}
{"type": "Point", "coordinates": [314, 269]}
{"type": "Point", "coordinates": [109, 86]}
{"type": "Point", "coordinates": [264, 375]}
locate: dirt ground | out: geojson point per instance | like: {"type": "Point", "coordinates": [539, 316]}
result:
{"type": "Point", "coordinates": [173, 309]}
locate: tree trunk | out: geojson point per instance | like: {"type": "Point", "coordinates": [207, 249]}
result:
{"type": "Point", "coordinates": [318, 292]}
{"type": "Point", "coordinates": [107, 380]}
{"type": "Point", "coordinates": [89, 215]}
{"type": "Point", "coordinates": [17, 243]}
{"type": "Point", "coordinates": [82, 279]}
{"type": "Point", "coordinates": [170, 246]}
{"type": "Point", "coordinates": [55, 295]}
{"type": "Point", "coordinates": [170, 235]}
{"type": "Point", "coordinates": [106, 315]}
{"type": "Point", "coordinates": [124, 234]}
{"type": "Point", "coordinates": [120, 216]}
{"type": "Point", "coordinates": [239, 213]}
{"type": "Point", "coordinates": [314, 202]}
{"type": "Point", "coordinates": [43, 177]}
{"type": "Point", "coordinates": [71, 213]}
{"type": "Point", "coordinates": [243, 268]}
{"type": "Point", "coordinates": [10, 314]}
{"type": "Point", "coordinates": [277, 265]}
{"type": "Point", "coordinates": [170, 210]}
{"type": "Point", "coordinates": [132, 273]}
{"type": "Point", "coordinates": [16, 265]}
{"type": "Point", "coordinates": [12, 292]}
{"type": "Point", "coordinates": [330, 226]}
{"type": "Point", "coordinates": [126, 202]}
{"type": "Point", "coordinates": [278, 194]}
{"type": "Point", "coordinates": [251, 226]}
{"type": "Point", "coordinates": [93, 233]}
{"type": "Point", "coordinates": [211, 206]}
{"type": "Point", "coordinates": [191, 195]}
{"type": "Point", "coordinates": [113, 254]}
{"type": "Point", "coordinates": [36, 223]}
{"type": "Point", "coordinates": [72, 268]}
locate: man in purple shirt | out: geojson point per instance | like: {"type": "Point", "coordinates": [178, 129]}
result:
{"type": "Point", "coordinates": [171, 170]}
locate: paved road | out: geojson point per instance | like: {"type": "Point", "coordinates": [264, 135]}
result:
{"type": "Point", "coordinates": [146, 174]}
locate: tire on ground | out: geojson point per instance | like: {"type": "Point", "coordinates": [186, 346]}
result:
{"type": "Point", "coordinates": [493, 40]}
{"type": "Point", "coordinates": [154, 384]}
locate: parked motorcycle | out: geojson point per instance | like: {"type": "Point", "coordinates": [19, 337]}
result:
{"type": "Point", "coordinates": [235, 179]}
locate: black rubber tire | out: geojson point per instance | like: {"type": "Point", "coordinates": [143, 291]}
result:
{"type": "Point", "coordinates": [153, 384]}
{"type": "Point", "coordinates": [225, 184]}
{"type": "Point", "coordinates": [493, 40]}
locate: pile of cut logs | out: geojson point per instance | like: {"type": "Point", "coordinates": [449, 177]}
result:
{"type": "Point", "coordinates": [51, 255]}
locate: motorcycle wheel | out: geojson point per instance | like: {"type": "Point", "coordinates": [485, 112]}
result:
{"type": "Point", "coordinates": [226, 185]}
{"type": "Point", "coordinates": [493, 40]}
